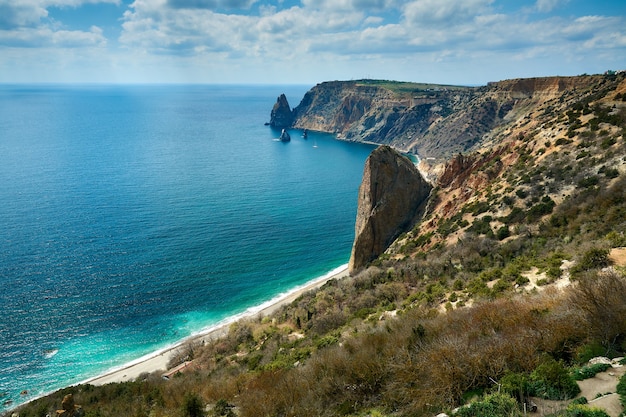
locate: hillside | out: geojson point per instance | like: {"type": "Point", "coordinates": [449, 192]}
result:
{"type": "Point", "coordinates": [513, 279]}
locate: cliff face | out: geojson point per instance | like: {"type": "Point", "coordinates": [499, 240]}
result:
{"type": "Point", "coordinates": [391, 197]}
{"type": "Point", "coordinates": [430, 120]}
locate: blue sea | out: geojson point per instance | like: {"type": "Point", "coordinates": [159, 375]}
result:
{"type": "Point", "coordinates": [132, 217]}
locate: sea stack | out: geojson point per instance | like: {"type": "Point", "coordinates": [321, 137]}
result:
{"type": "Point", "coordinates": [281, 116]}
{"type": "Point", "coordinates": [284, 136]}
{"type": "Point", "coordinates": [392, 197]}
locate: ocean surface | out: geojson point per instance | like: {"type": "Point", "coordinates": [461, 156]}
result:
{"type": "Point", "coordinates": [132, 217]}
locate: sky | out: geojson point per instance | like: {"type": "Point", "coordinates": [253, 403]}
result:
{"type": "Point", "coordinates": [461, 42]}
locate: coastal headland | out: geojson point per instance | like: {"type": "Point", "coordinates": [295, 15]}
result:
{"type": "Point", "coordinates": [465, 308]}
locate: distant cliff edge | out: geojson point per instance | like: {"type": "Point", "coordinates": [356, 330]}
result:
{"type": "Point", "coordinates": [433, 121]}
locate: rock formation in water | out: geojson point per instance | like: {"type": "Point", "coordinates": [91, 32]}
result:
{"type": "Point", "coordinates": [281, 116]}
{"type": "Point", "coordinates": [285, 136]}
{"type": "Point", "coordinates": [391, 198]}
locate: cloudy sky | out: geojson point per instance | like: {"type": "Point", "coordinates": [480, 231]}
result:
{"type": "Point", "coordinates": [466, 42]}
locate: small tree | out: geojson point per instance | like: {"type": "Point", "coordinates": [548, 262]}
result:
{"type": "Point", "coordinates": [192, 406]}
{"type": "Point", "coordinates": [601, 297]}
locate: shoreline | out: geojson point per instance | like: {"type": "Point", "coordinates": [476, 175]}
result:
{"type": "Point", "coordinates": [158, 360]}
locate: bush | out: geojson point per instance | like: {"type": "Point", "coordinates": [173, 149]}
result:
{"type": "Point", "coordinates": [589, 182]}
{"type": "Point", "coordinates": [494, 405]}
{"type": "Point", "coordinates": [540, 209]}
{"type": "Point", "coordinates": [586, 352]}
{"type": "Point", "coordinates": [222, 408]}
{"type": "Point", "coordinates": [578, 410]}
{"type": "Point", "coordinates": [503, 232]}
{"type": "Point", "coordinates": [515, 385]}
{"type": "Point", "coordinates": [600, 297]}
{"type": "Point", "coordinates": [590, 371]}
{"type": "Point", "coordinates": [594, 258]}
{"type": "Point", "coordinates": [552, 381]}
{"type": "Point", "coordinates": [621, 389]}
{"type": "Point", "coordinates": [192, 406]}
{"type": "Point", "coordinates": [482, 226]}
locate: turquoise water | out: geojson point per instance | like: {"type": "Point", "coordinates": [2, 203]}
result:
{"type": "Point", "coordinates": [134, 216]}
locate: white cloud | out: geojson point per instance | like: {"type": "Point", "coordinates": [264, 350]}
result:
{"type": "Point", "coordinates": [438, 30]}
{"type": "Point", "coordinates": [26, 20]}
{"type": "Point", "coordinates": [44, 37]}
{"type": "Point", "coordinates": [545, 6]}
{"type": "Point", "coordinates": [14, 15]}
{"type": "Point", "coordinates": [449, 12]}
{"type": "Point", "coordinates": [155, 27]}
{"type": "Point", "coordinates": [211, 4]}
{"type": "Point", "coordinates": [323, 39]}
{"type": "Point", "coordinates": [350, 5]}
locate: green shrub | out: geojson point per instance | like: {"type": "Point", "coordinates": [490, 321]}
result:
{"type": "Point", "coordinates": [516, 385]}
{"type": "Point", "coordinates": [326, 341]}
{"type": "Point", "coordinates": [589, 182]}
{"type": "Point", "coordinates": [621, 389]}
{"type": "Point", "coordinates": [192, 406]}
{"type": "Point", "coordinates": [223, 408]}
{"type": "Point", "coordinates": [552, 381]}
{"type": "Point", "coordinates": [494, 405]}
{"type": "Point", "coordinates": [594, 258]}
{"type": "Point", "coordinates": [540, 209]}
{"type": "Point", "coordinates": [617, 239]}
{"type": "Point", "coordinates": [579, 410]}
{"type": "Point", "coordinates": [503, 232]}
{"type": "Point", "coordinates": [482, 226]}
{"type": "Point", "coordinates": [516, 215]}
{"type": "Point", "coordinates": [589, 351]}
{"type": "Point", "coordinates": [590, 371]}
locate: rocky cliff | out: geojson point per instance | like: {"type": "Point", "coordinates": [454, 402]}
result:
{"type": "Point", "coordinates": [281, 116]}
{"type": "Point", "coordinates": [433, 121]}
{"type": "Point", "coordinates": [391, 198]}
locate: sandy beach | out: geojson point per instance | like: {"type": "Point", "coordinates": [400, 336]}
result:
{"type": "Point", "coordinates": [157, 361]}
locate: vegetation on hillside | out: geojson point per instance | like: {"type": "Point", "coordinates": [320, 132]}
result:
{"type": "Point", "coordinates": [459, 311]}
{"type": "Point", "coordinates": [403, 87]}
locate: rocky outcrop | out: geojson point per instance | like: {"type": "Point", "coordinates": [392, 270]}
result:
{"type": "Point", "coordinates": [69, 409]}
{"type": "Point", "coordinates": [391, 198]}
{"type": "Point", "coordinates": [281, 116]}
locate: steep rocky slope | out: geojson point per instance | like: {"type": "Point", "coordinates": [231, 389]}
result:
{"type": "Point", "coordinates": [570, 138]}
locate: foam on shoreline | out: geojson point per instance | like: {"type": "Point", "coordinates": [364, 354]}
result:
{"type": "Point", "coordinates": [159, 359]}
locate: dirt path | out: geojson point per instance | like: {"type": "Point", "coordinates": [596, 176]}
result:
{"type": "Point", "coordinates": [594, 390]}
